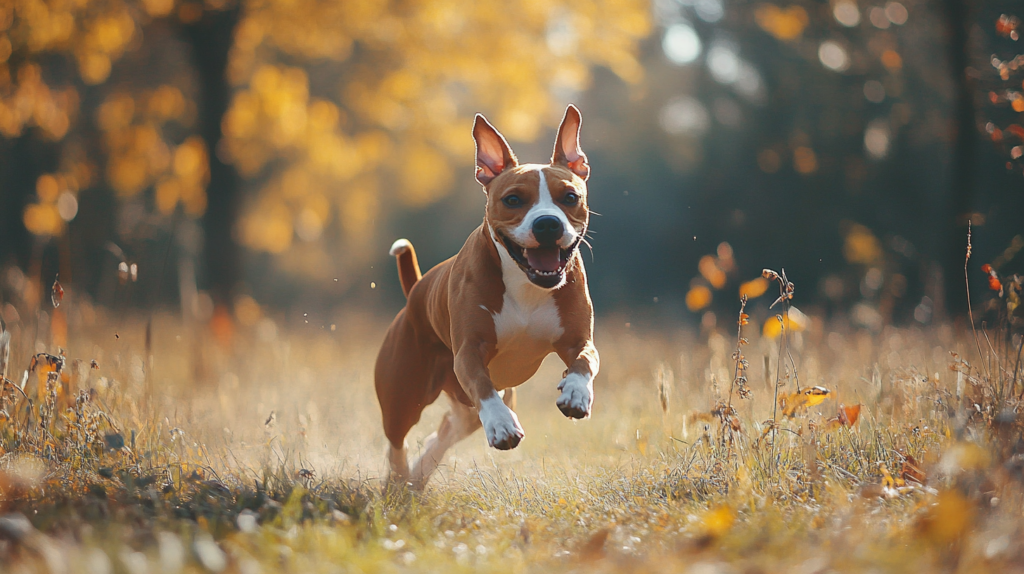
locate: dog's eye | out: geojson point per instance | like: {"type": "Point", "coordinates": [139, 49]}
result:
{"type": "Point", "coordinates": [512, 200]}
{"type": "Point", "coordinates": [571, 199]}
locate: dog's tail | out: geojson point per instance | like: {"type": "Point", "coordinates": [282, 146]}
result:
{"type": "Point", "coordinates": [408, 266]}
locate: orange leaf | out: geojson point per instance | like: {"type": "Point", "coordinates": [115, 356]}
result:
{"type": "Point", "coordinates": [910, 471]}
{"type": "Point", "coordinates": [56, 293]}
{"type": "Point", "coordinates": [848, 415]}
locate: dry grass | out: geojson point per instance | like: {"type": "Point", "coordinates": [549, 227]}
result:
{"type": "Point", "coordinates": [266, 453]}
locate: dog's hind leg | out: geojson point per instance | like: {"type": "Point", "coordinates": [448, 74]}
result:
{"type": "Point", "coordinates": [398, 463]}
{"type": "Point", "coordinates": [458, 423]}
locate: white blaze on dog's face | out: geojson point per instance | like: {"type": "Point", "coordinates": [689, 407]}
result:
{"type": "Point", "coordinates": [538, 213]}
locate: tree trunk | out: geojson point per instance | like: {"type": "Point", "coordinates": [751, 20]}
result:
{"type": "Point", "coordinates": [210, 39]}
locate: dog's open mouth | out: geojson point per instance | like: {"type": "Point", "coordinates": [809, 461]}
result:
{"type": "Point", "coordinates": [544, 266]}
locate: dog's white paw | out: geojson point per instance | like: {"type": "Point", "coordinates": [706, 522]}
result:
{"type": "Point", "coordinates": [501, 425]}
{"type": "Point", "coordinates": [577, 396]}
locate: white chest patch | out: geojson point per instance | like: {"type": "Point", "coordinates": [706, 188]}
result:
{"type": "Point", "coordinates": [527, 311]}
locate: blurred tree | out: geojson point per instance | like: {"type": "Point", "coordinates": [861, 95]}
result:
{"type": "Point", "coordinates": [348, 110]}
{"type": "Point", "coordinates": [211, 35]}
{"type": "Point", "coordinates": [297, 116]}
{"type": "Point", "coordinates": [858, 116]}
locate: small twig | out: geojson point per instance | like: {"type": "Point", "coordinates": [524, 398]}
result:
{"type": "Point", "coordinates": [970, 312]}
{"type": "Point", "coordinates": [738, 357]}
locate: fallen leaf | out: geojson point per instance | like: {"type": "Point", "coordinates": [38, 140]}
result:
{"type": "Point", "coordinates": [848, 415]}
{"type": "Point", "coordinates": [910, 471]}
{"type": "Point", "coordinates": [56, 292]}
{"type": "Point", "coordinates": [816, 395]}
{"type": "Point", "coordinates": [794, 402]}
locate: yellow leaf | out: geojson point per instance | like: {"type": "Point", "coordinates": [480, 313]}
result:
{"type": "Point", "coordinates": [791, 403]}
{"type": "Point", "coordinates": [816, 395]}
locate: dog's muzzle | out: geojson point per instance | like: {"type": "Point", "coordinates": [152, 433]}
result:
{"type": "Point", "coordinates": [545, 264]}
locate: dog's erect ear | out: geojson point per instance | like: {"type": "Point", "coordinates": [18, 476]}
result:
{"type": "Point", "coordinates": [567, 144]}
{"type": "Point", "coordinates": [493, 155]}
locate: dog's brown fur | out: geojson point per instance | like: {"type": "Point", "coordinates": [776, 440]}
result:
{"type": "Point", "coordinates": [446, 339]}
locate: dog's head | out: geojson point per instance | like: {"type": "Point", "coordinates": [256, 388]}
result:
{"type": "Point", "coordinates": [537, 213]}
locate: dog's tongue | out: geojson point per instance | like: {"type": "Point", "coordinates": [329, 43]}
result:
{"type": "Point", "coordinates": [543, 258]}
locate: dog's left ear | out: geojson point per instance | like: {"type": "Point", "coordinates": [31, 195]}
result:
{"type": "Point", "coordinates": [567, 144]}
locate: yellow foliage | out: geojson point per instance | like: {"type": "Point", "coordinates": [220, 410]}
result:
{"type": "Point", "coordinates": [861, 246]}
{"type": "Point", "coordinates": [425, 173]}
{"type": "Point", "coordinates": [42, 219]}
{"type": "Point", "coordinates": [698, 297]}
{"type": "Point", "coordinates": [47, 188]}
{"type": "Point", "coordinates": [403, 109]}
{"type": "Point", "coordinates": [754, 288]}
{"type": "Point", "coordinates": [710, 270]}
{"type": "Point", "coordinates": [784, 24]}
{"type": "Point", "coordinates": [426, 69]}
{"type": "Point", "coordinates": [717, 521]}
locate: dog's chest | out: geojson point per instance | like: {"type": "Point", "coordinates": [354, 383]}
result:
{"type": "Point", "coordinates": [526, 328]}
{"type": "Point", "coordinates": [521, 322]}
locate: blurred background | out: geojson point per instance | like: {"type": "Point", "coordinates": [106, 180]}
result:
{"type": "Point", "coordinates": [236, 159]}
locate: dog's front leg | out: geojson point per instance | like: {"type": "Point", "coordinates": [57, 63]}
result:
{"type": "Point", "coordinates": [500, 424]}
{"type": "Point", "coordinates": [577, 386]}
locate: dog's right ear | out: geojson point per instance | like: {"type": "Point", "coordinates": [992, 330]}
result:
{"type": "Point", "coordinates": [493, 155]}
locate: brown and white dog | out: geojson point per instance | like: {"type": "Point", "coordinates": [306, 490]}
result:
{"type": "Point", "coordinates": [481, 322]}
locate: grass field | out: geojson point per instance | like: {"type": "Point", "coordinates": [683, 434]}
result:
{"type": "Point", "coordinates": [260, 450]}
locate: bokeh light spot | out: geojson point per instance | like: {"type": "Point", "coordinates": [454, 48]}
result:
{"type": "Point", "coordinates": [878, 18]}
{"type": "Point", "coordinates": [833, 56]}
{"type": "Point", "coordinates": [684, 115]}
{"type": "Point", "coordinates": [874, 91]}
{"type": "Point", "coordinates": [876, 139]}
{"type": "Point", "coordinates": [846, 13]}
{"type": "Point", "coordinates": [805, 161]}
{"type": "Point", "coordinates": [710, 11]}
{"type": "Point", "coordinates": [724, 63]}
{"type": "Point", "coordinates": [698, 297]}
{"type": "Point", "coordinates": [754, 288]}
{"type": "Point", "coordinates": [896, 13]}
{"type": "Point", "coordinates": [681, 44]}
{"type": "Point", "coordinates": [67, 206]}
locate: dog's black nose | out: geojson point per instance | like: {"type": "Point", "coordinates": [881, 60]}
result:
{"type": "Point", "coordinates": [548, 229]}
